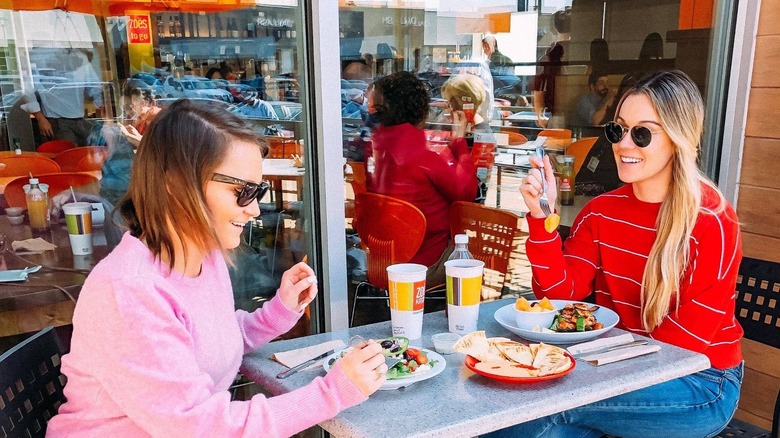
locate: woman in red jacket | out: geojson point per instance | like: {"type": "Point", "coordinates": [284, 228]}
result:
{"type": "Point", "coordinates": [406, 169]}
{"type": "Point", "coordinates": [663, 252]}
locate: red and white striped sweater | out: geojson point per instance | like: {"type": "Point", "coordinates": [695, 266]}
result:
{"type": "Point", "coordinates": [607, 250]}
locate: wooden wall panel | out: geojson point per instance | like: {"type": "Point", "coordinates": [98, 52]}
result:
{"type": "Point", "coordinates": [756, 154]}
{"type": "Point", "coordinates": [763, 113]}
{"type": "Point", "coordinates": [769, 17]}
{"type": "Point", "coordinates": [767, 61]}
{"type": "Point", "coordinates": [758, 209]}
{"type": "Point", "coordinates": [760, 247]}
{"type": "Point", "coordinates": [760, 384]}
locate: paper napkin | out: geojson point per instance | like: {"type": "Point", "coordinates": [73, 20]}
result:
{"type": "Point", "coordinates": [36, 245]}
{"type": "Point", "coordinates": [622, 354]}
{"type": "Point", "coordinates": [298, 356]}
{"type": "Point", "coordinates": [599, 344]}
{"type": "Point", "coordinates": [17, 274]}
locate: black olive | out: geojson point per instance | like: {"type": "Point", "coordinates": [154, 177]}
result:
{"type": "Point", "coordinates": [331, 361]}
{"type": "Point", "coordinates": [386, 344]}
{"type": "Point", "coordinates": [395, 349]}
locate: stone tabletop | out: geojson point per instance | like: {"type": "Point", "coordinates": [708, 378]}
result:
{"type": "Point", "coordinates": [460, 403]}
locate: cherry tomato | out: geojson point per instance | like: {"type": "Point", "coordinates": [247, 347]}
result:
{"type": "Point", "coordinates": [412, 352]}
{"type": "Point", "coordinates": [422, 359]}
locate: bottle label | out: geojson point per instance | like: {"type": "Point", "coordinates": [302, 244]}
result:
{"type": "Point", "coordinates": [565, 184]}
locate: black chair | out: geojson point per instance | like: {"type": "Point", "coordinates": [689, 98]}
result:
{"type": "Point", "coordinates": [758, 312]}
{"type": "Point", "coordinates": [31, 385]}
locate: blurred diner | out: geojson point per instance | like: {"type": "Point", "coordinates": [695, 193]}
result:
{"type": "Point", "coordinates": [406, 169]}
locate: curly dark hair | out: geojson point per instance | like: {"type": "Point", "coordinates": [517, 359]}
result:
{"type": "Point", "coordinates": [401, 98]}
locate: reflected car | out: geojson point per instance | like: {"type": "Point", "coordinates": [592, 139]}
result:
{"type": "Point", "coordinates": [206, 89]}
{"type": "Point", "coordinates": [155, 91]}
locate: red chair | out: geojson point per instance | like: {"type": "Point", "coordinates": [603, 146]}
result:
{"type": "Point", "coordinates": [82, 182]}
{"type": "Point", "coordinates": [493, 235]}
{"type": "Point", "coordinates": [580, 149]}
{"type": "Point", "coordinates": [56, 146]}
{"type": "Point", "coordinates": [391, 231]}
{"type": "Point", "coordinates": [23, 165]}
{"type": "Point", "coordinates": [71, 159]}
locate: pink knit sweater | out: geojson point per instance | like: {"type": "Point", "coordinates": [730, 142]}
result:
{"type": "Point", "coordinates": [154, 355]}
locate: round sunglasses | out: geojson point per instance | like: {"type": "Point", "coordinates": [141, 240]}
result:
{"type": "Point", "coordinates": [641, 136]}
{"type": "Point", "coordinates": [248, 192]}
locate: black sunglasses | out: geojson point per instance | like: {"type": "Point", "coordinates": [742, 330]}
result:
{"type": "Point", "coordinates": [641, 135]}
{"type": "Point", "coordinates": [248, 192]}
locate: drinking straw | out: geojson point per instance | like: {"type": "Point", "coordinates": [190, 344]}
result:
{"type": "Point", "coordinates": [73, 194]}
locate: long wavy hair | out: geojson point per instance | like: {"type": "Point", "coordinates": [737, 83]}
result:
{"type": "Point", "coordinates": [176, 157]}
{"type": "Point", "coordinates": [678, 103]}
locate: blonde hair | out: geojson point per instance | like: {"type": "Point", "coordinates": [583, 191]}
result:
{"type": "Point", "coordinates": [680, 109]}
{"type": "Point", "coordinates": [469, 86]}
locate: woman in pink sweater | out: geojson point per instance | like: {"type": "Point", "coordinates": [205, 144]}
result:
{"type": "Point", "coordinates": [156, 340]}
{"type": "Point", "coordinates": [663, 252]}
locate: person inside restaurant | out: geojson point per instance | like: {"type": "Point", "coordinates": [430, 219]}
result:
{"type": "Point", "coordinates": [591, 107]}
{"type": "Point", "coordinates": [467, 89]}
{"type": "Point", "coordinates": [663, 252]}
{"type": "Point", "coordinates": [406, 169]}
{"type": "Point", "coordinates": [156, 340]}
{"type": "Point", "coordinates": [60, 110]}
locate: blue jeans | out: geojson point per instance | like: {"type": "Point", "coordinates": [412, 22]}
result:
{"type": "Point", "coordinates": [695, 406]}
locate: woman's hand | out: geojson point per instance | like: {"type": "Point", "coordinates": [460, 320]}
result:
{"type": "Point", "coordinates": [460, 122]}
{"type": "Point", "coordinates": [298, 288]}
{"type": "Point", "coordinates": [531, 187]}
{"type": "Point", "coordinates": [365, 367]}
{"type": "Point", "coordinates": [131, 134]}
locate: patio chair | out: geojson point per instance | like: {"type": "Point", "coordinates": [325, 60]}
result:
{"type": "Point", "coordinates": [580, 149]}
{"type": "Point", "coordinates": [391, 231]}
{"type": "Point", "coordinates": [82, 182]}
{"type": "Point", "coordinates": [31, 385]}
{"type": "Point", "coordinates": [493, 235]}
{"type": "Point", "coordinates": [758, 313]}
{"type": "Point", "coordinates": [73, 160]}
{"type": "Point", "coordinates": [56, 146]}
{"type": "Point", "coordinates": [556, 133]}
{"type": "Point", "coordinates": [23, 165]}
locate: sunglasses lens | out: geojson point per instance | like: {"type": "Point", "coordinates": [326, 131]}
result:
{"type": "Point", "coordinates": [250, 192]}
{"type": "Point", "coordinates": [613, 131]}
{"type": "Point", "coordinates": [641, 136]}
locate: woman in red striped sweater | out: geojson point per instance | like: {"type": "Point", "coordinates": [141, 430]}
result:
{"type": "Point", "coordinates": [663, 252]}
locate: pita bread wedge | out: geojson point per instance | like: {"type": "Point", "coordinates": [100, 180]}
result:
{"type": "Point", "coordinates": [506, 369]}
{"type": "Point", "coordinates": [516, 352]}
{"type": "Point", "coordinates": [476, 345]}
{"type": "Point", "coordinates": [550, 360]}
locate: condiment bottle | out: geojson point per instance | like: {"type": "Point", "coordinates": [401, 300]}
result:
{"type": "Point", "coordinates": [37, 206]}
{"type": "Point", "coordinates": [566, 187]}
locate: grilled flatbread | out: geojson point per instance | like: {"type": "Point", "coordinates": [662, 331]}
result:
{"type": "Point", "coordinates": [516, 352]}
{"type": "Point", "coordinates": [550, 360]}
{"type": "Point", "coordinates": [476, 345]}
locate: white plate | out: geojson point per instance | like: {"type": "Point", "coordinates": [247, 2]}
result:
{"type": "Point", "coordinates": [441, 363]}
{"type": "Point", "coordinates": [506, 317]}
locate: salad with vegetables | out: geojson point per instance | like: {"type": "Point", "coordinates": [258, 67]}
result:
{"type": "Point", "coordinates": [576, 317]}
{"type": "Point", "coordinates": [411, 361]}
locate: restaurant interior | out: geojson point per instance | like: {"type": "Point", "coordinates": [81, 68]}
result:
{"type": "Point", "coordinates": [537, 59]}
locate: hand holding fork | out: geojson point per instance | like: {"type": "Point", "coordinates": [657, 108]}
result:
{"type": "Point", "coordinates": [534, 187]}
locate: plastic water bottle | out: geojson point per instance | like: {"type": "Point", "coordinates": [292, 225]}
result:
{"type": "Point", "coordinates": [37, 206]}
{"type": "Point", "coordinates": [461, 251]}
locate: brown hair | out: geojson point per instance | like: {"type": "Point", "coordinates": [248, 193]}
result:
{"type": "Point", "coordinates": [176, 157]}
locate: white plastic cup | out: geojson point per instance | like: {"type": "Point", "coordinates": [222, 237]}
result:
{"type": "Point", "coordinates": [406, 286]}
{"type": "Point", "coordinates": [78, 217]}
{"type": "Point", "coordinates": [464, 289]}
{"type": "Point", "coordinates": [98, 214]}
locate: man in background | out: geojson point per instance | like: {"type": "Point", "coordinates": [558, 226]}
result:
{"type": "Point", "coordinates": [60, 112]}
{"type": "Point", "coordinates": [500, 64]}
{"type": "Point", "coordinates": [591, 108]}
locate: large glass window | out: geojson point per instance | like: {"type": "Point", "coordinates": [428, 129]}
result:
{"type": "Point", "coordinates": [553, 66]}
{"type": "Point", "coordinates": [96, 78]}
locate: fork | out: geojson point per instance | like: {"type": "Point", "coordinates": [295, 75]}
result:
{"type": "Point", "coordinates": [544, 203]}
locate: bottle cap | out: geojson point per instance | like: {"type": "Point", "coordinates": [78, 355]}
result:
{"type": "Point", "coordinates": [33, 180]}
{"type": "Point", "coordinates": [461, 238]}
{"type": "Point", "coordinates": [568, 158]}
